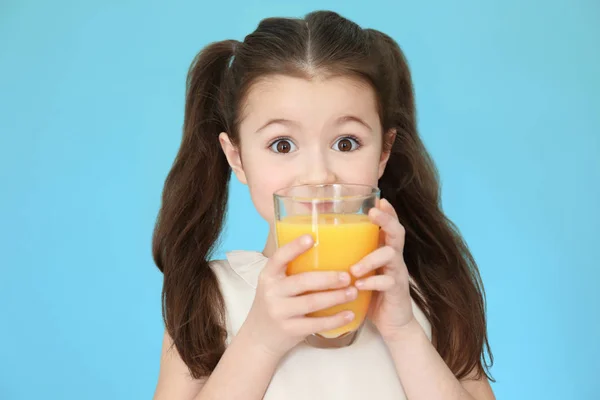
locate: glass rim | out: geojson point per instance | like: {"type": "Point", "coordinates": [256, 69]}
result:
{"type": "Point", "coordinates": [373, 191]}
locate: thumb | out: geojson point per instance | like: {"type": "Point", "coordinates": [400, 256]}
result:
{"type": "Point", "coordinates": [287, 253]}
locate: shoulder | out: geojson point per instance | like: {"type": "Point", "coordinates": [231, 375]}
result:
{"type": "Point", "coordinates": [220, 267]}
{"type": "Point", "coordinates": [240, 267]}
{"type": "Point", "coordinates": [227, 278]}
{"type": "Point", "coordinates": [225, 273]}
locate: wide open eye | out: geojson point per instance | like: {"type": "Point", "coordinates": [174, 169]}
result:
{"type": "Point", "coordinates": [282, 146]}
{"type": "Point", "coordinates": [346, 143]}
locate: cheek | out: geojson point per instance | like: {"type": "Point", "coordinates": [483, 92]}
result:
{"type": "Point", "coordinates": [262, 197]}
{"type": "Point", "coordinates": [361, 170]}
{"type": "Point", "coordinates": [263, 181]}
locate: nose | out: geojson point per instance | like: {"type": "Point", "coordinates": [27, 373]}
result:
{"type": "Point", "coordinates": [317, 171]}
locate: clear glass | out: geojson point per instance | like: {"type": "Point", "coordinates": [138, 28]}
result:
{"type": "Point", "coordinates": [336, 217]}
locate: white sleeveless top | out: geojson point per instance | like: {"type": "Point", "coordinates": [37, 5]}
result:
{"type": "Point", "coordinates": [364, 370]}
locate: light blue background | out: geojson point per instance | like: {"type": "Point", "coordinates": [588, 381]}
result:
{"type": "Point", "coordinates": [91, 105]}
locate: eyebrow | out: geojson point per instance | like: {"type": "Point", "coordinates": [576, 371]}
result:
{"type": "Point", "coordinates": [352, 118]}
{"type": "Point", "coordinates": [281, 121]}
{"type": "Point", "coordinates": [341, 120]}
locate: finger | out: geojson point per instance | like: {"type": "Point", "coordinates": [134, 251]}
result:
{"type": "Point", "coordinates": [379, 258]}
{"type": "Point", "coordinates": [278, 262]}
{"type": "Point", "coordinates": [312, 281]}
{"type": "Point", "coordinates": [388, 208]}
{"type": "Point", "coordinates": [380, 283]}
{"type": "Point", "coordinates": [309, 325]}
{"type": "Point", "coordinates": [302, 305]}
{"type": "Point", "coordinates": [394, 231]}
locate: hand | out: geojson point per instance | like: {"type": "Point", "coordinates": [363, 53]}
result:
{"type": "Point", "coordinates": [391, 307]}
{"type": "Point", "coordinates": [277, 320]}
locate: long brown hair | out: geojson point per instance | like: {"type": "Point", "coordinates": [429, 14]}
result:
{"type": "Point", "coordinates": [195, 193]}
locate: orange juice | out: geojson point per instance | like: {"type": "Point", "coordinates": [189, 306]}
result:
{"type": "Point", "coordinates": [341, 240]}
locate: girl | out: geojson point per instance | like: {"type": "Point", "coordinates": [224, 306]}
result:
{"type": "Point", "coordinates": [312, 101]}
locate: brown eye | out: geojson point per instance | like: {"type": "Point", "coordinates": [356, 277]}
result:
{"type": "Point", "coordinates": [282, 146]}
{"type": "Point", "coordinates": [346, 144]}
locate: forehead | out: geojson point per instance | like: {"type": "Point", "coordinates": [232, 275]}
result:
{"type": "Point", "coordinates": [318, 99]}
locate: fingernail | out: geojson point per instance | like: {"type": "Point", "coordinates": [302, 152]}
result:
{"type": "Point", "coordinates": [356, 270]}
{"type": "Point", "coordinates": [307, 239]}
{"type": "Point", "coordinates": [344, 277]}
{"type": "Point", "coordinates": [348, 315]}
{"type": "Point", "coordinates": [351, 292]}
{"type": "Point", "coordinates": [359, 284]}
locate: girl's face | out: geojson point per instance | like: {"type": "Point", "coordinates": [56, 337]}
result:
{"type": "Point", "coordinates": [296, 131]}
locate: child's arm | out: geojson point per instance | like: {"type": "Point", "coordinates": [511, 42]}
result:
{"type": "Point", "coordinates": [244, 371]}
{"type": "Point", "coordinates": [275, 324]}
{"type": "Point", "coordinates": [423, 373]}
{"type": "Point", "coordinates": [174, 379]}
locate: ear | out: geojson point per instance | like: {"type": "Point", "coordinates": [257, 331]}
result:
{"type": "Point", "coordinates": [388, 141]}
{"type": "Point", "coordinates": [232, 153]}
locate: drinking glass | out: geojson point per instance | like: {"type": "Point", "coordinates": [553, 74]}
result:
{"type": "Point", "coordinates": [335, 216]}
